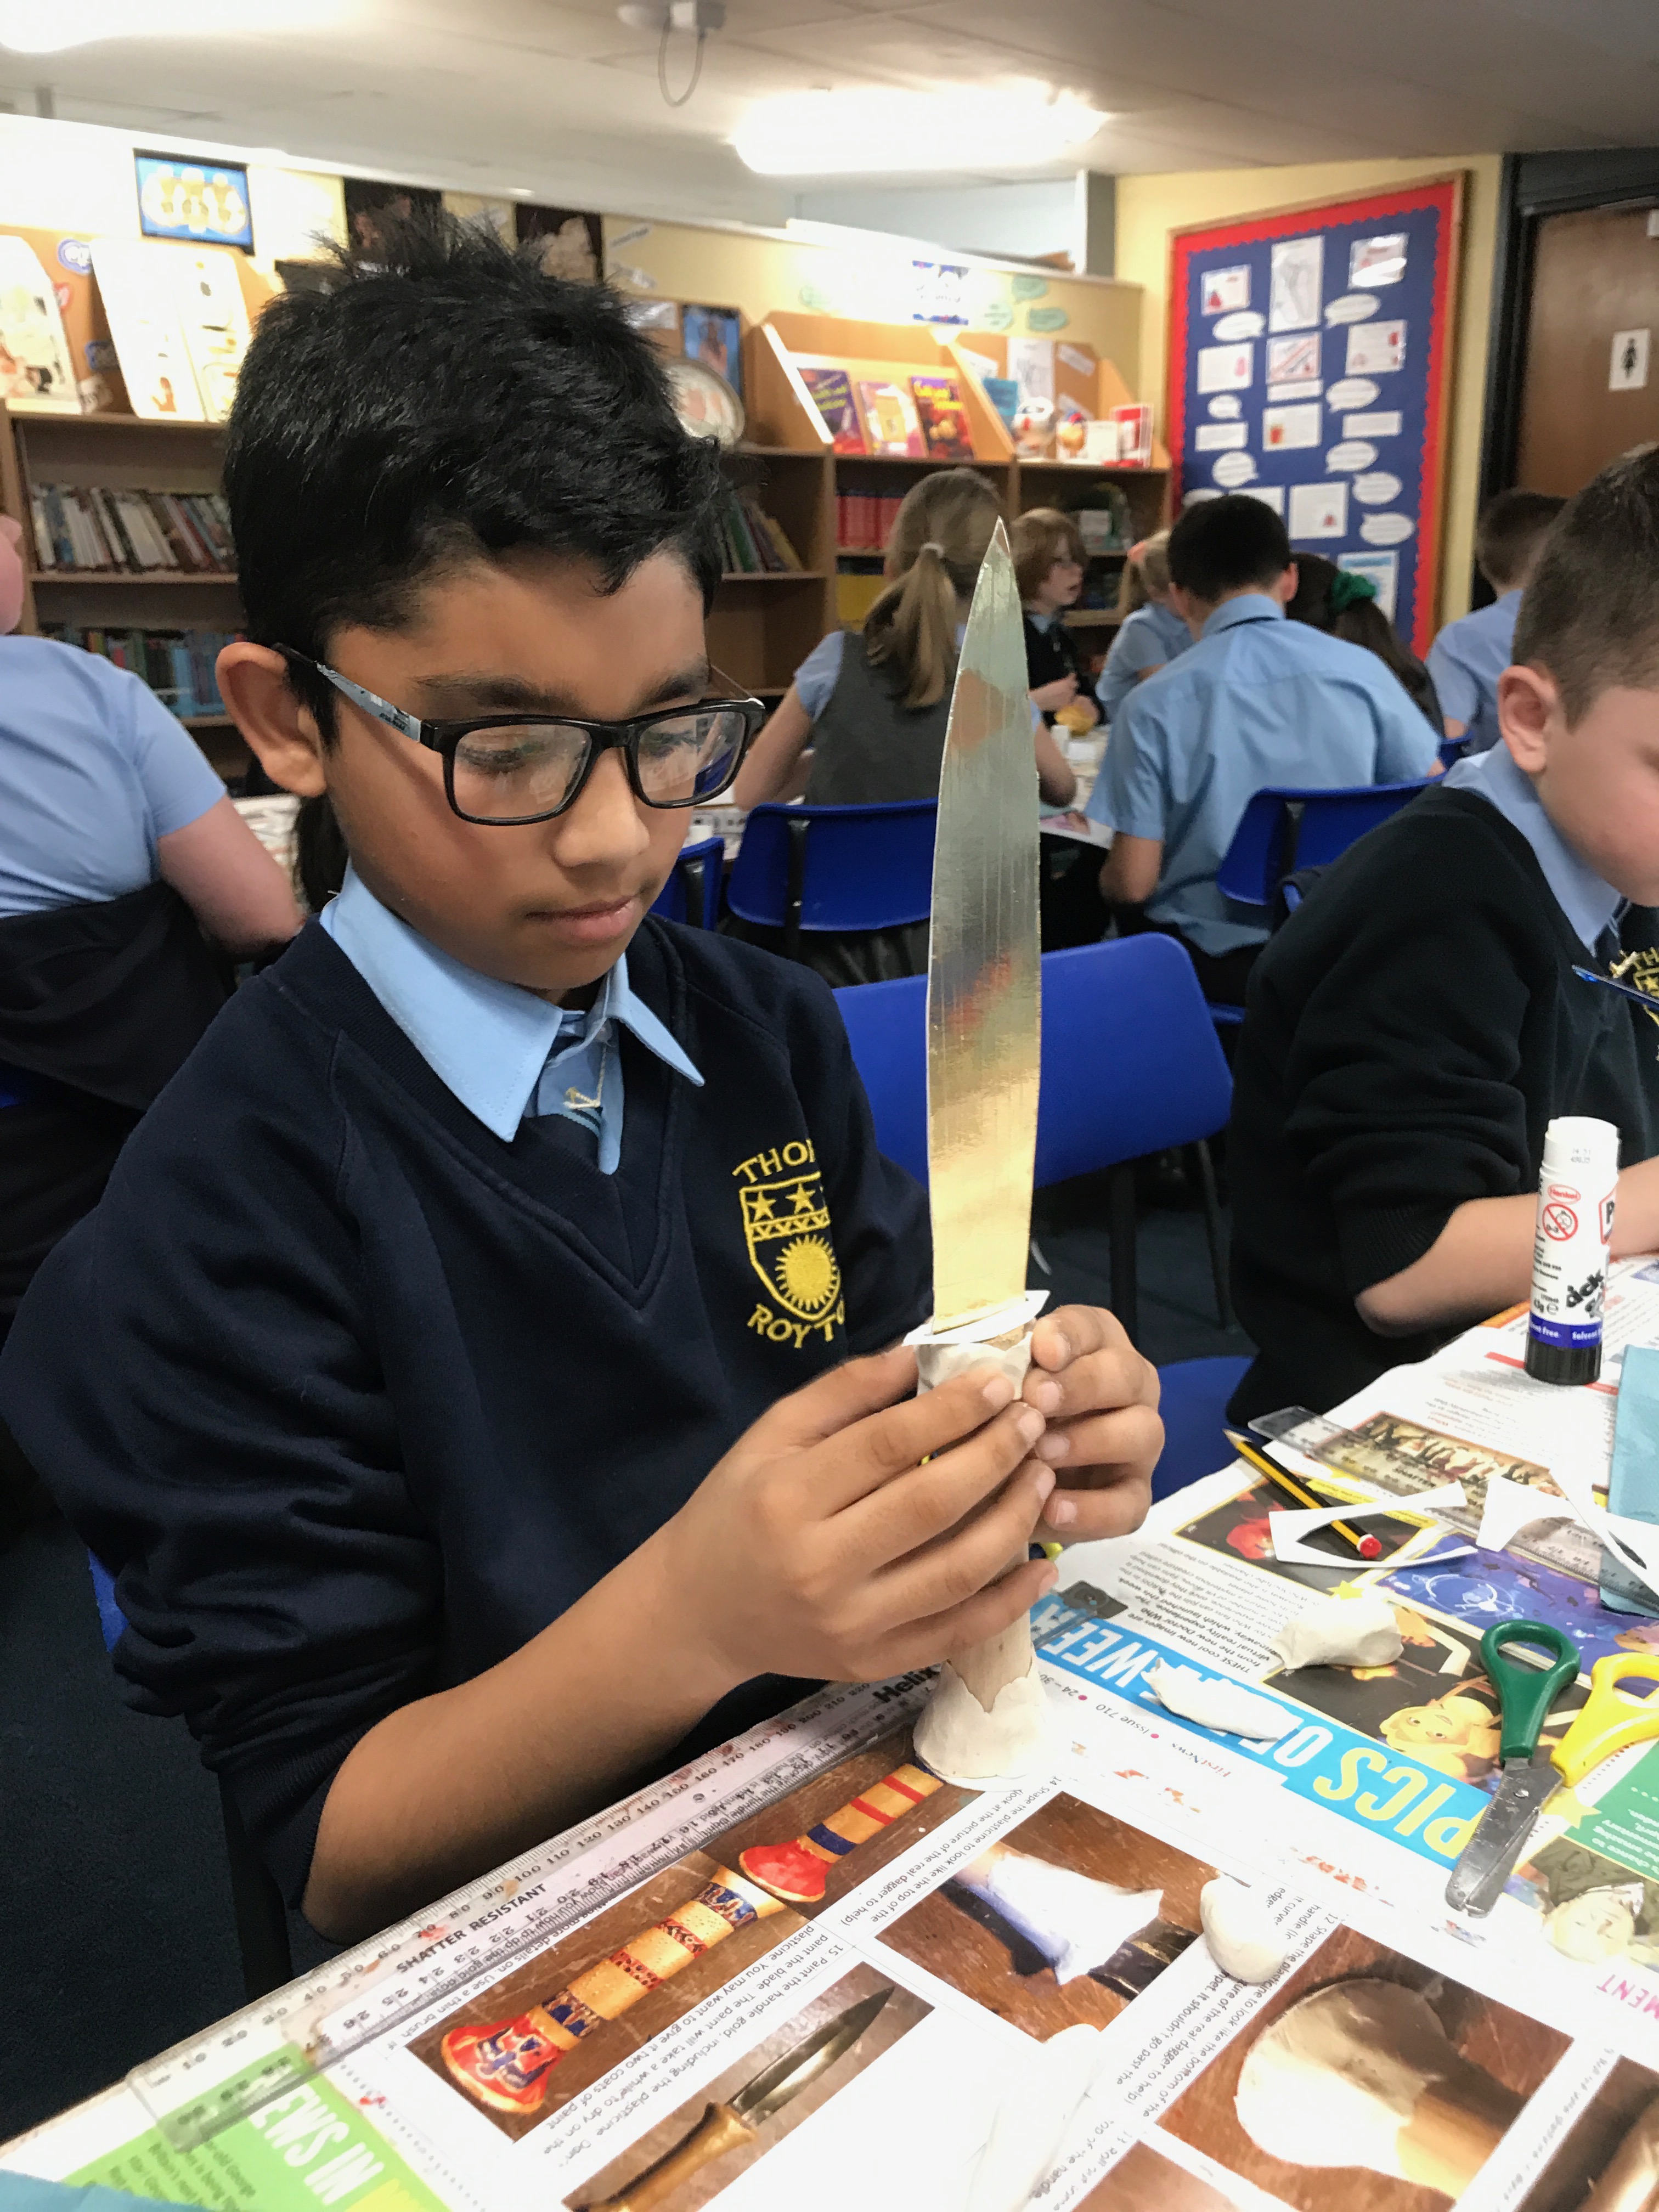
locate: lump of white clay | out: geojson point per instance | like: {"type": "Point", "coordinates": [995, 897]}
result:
{"type": "Point", "coordinates": [1340, 1631]}
{"type": "Point", "coordinates": [1336, 2080]}
{"type": "Point", "coordinates": [1226, 1707]}
{"type": "Point", "coordinates": [1076, 1921]}
{"type": "Point", "coordinates": [1242, 1940]}
{"type": "Point", "coordinates": [961, 1741]}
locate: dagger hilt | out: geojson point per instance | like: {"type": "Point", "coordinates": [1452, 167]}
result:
{"type": "Point", "coordinates": [719, 2130]}
{"type": "Point", "coordinates": [796, 1872]}
{"type": "Point", "coordinates": [507, 2065]}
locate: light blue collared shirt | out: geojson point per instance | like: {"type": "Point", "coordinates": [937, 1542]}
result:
{"type": "Point", "coordinates": [1466, 661]}
{"type": "Point", "coordinates": [1258, 701]}
{"type": "Point", "coordinates": [506, 1055]}
{"type": "Point", "coordinates": [1589, 904]}
{"type": "Point", "coordinates": [1150, 638]}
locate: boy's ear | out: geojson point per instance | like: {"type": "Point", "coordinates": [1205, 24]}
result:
{"type": "Point", "coordinates": [253, 682]}
{"type": "Point", "coordinates": [1288, 585]}
{"type": "Point", "coordinates": [1530, 714]}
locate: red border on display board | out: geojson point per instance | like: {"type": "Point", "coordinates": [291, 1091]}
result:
{"type": "Point", "coordinates": [1445, 193]}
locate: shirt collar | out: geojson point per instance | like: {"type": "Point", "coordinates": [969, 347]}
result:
{"type": "Point", "coordinates": [1043, 623]}
{"type": "Point", "coordinates": [1248, 607]}
{"type": "Point", "coordinates": [1589, 904]}
{"type": "Point", "coordinates": [486, 1041]}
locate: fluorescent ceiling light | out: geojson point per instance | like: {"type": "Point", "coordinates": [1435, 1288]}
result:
{"type": "Point", "coordinates": [881, 131]}
{"type": "Point", "coordinates": [27, 28]}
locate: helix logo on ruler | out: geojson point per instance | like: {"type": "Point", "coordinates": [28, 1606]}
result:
{"type": "Point", "coordinates": [786, 1231]}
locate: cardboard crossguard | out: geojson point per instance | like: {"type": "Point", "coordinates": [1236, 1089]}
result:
{"type": "Point", "coordinates": [506, 2064]}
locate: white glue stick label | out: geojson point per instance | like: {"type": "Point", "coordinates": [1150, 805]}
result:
{"type": "Point", "coordinates": [1574, 1230]}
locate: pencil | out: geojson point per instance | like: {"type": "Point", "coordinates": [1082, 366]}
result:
{"type": "Point", "coordinates": [1369, 1547]}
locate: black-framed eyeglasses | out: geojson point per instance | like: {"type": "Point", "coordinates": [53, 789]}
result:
{"type": "Point", "coordinates": [503, 770]}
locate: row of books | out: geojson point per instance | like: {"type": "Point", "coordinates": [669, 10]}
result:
{"type": "Point", "coordinates": [139, 532]}
{"type": "Point", "coordinates": [864, 521]}
{"type": "Point", "coordinates": [753, 544]}
{"type": "Point", "coordinates": [899, 418]}
{"type": "Point", "coordinates": [177, 664]}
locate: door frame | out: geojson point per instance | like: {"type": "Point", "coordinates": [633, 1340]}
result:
{"type": "Point", "coordinates": [1534, 185]}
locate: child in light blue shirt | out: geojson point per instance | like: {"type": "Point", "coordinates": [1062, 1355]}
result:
{"type": "Point", "coordinates": [1469, 655]}
{"type": "Point", "coordinates": [1152, 633]}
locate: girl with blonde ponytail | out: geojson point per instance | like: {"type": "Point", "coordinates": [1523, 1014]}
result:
{"type": "Point", "coordinates": [874, 707]}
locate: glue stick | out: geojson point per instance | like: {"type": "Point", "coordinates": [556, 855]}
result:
{"type": "Point", "coordinates": [1575, 1188]}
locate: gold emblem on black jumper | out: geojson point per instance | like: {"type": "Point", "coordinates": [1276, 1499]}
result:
{"type": "Point", "coordinates": [785, 1229]}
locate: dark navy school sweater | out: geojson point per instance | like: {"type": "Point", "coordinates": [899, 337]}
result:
{"type": "Point", "coordinates": [354, 1399]}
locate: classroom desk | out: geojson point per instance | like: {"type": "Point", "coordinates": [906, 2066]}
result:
{"type": "Point", "coordinates": [1134, 1806]}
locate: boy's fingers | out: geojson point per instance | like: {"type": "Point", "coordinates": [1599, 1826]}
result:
{"type": "Point", "coordinates": [904, 1513]}
{"type": "Point", "coordinates": [1109, 1509]}
{"type": "Point", "coordinates": [866, 1456]}
{"type": "Point", "coordinates": [1071, 1332]}
{"type": "Point", "coordinates": [1094, 1382]}
{"type": "Point", "coordinates": [1132, 1437]}
{"type": "Point", "coordinates": [987, 1613]}
{"type": "Point", "coordinates": [834, 1401]}
{"type": "Point", "coordinates": [950, 1571]}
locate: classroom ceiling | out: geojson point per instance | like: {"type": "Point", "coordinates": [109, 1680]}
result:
{"type": "Point", "coordinates": [558, 99]}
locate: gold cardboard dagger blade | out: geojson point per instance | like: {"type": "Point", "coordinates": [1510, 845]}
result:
{"type": "Point", "coordinates": [984, 980]}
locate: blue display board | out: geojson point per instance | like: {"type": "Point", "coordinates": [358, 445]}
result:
{"type": "Point", "coordinates": [204, 203]}
{"type": "Point", "coordinates": [1308, 366]}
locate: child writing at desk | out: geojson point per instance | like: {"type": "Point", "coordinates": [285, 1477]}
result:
{"type": "Point", "coordinates": [1416, 1024]}
{"type": "Point", "coordinates": [477, 1375]}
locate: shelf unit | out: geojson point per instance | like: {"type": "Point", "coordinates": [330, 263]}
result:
{"type": "Point", "coordinates": [121, 452]}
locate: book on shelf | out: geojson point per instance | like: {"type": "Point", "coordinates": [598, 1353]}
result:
{"type": "Point", "coordinates": [944, 418]}
{"type": "Point", "coordinates": [752, 541]}
{"type": "Point", "coordinates": [892, 428]}
{"type": "Point", "coordinates": [137, 532]}
{"type": "Point", "coordinates": [864, 521]}
{"type": "Point", "coordinates": [178, 665]}
{"type": "Point", "coordinates": [831, 392]}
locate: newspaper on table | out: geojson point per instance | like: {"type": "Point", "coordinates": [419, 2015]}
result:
{"type": "Point", "coordinates": [607, 2021]}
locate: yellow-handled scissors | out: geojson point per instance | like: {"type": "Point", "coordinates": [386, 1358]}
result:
{"type": "Point", "coordinates": [1612, 1719]}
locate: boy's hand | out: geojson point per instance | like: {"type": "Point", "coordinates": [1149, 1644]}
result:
{"type": "Point", "coordinates": [1100, 1399]}
{"type": "Point", "coordinates": [820, 1545]}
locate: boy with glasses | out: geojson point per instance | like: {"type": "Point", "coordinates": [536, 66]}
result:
{"type": "Point", "coordinates": [431, 1377]}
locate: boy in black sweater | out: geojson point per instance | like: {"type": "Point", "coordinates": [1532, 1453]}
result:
{"type": "Point", "coordinates": [1416, 1024]}
{"type": "Point", "coordinates": [425, 1377]}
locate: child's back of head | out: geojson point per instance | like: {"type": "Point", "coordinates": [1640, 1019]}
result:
{"type": "Point", "coordinates": [1227, 545]}
{"type": "Point", "coordinates": [1590, 611]}
{"type": "Point", "coordinates": [939, 541]}
{"type": "Point", "coordinates": [1511, 533]}
{"type": "Point", "coordinates": [1146, 572]}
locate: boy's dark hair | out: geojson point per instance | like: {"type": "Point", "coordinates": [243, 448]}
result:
{"type": "Point", "coordinates": [1590, 611]}
{"type": "Point", "coordinates": [1507, 536]}
{"type": "Point", "coordinates": [1231, 544]}
{"type": "Point", "coordinates": [446, 400]}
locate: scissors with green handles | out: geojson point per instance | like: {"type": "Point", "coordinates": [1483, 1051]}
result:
{"type": "Point", "coordinates": [1610, 1721]}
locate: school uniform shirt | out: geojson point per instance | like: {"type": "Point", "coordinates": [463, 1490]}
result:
{"type": "Point", "coordinates": [355, 1381]}
{"type": "Point", "coordinates": [1050, 652]}
{"type": "Point", "coordinates": [1258, 701]}
{"type": "Point", "coordinates": [1466, 661]}
{"type": "Point", "coordinates": [94, 769]}
{"type": "Point", "coordinates": [1151, 637]}
{"type": "Point", "coordinates": [1410, 1032]}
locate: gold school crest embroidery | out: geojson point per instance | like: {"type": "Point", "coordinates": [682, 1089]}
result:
{"type": "Point", "coordinates": [785, 1229]}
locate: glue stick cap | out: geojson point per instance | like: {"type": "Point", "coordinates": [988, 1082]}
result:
{"type": "Point", "coordinates": [1577, 1144]}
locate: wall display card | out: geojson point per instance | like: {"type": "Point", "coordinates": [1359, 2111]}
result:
{"type": "Point", "coordinates": [1296, 280]}
{"type": "Point", "coordinates": [1233, 471]}
{"type": "Point", "coordinates": [147, 331]}
{"type": "Point", "coordinates": [203, 201]}
{"type": "Point", "coordinates": [1225, 368]}
{"type": "Point", "coordinates": [37, 369]}
{"type": "Point", "coordinates": [1319, 510]}
{"type": "Point", "coordinates": [1351, 315]}
{"type": "Point", "coordinates": [1271, 496]}
{"type": "Point", "coordinates": [1031, 365]}
{"type": "Point", "coordinates": [1284, 427]}
{"type": "Point", "coordinates": [213, 316]}
{"type": "Point", "coordinates": [1377, 261]}
{"type": "Point", "coordinates": [1375, 349]}
{"type": "Point", "coordinates": [1221, 437]}
{"type": "Point", "coordinates": [1226, 290]}
{"type": "Point", "coordinates": [1382, 568]}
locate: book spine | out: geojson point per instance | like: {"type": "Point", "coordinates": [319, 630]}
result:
{"type": "Point", "coordinates": [192, 553]}
{"type": "Point", "coordinates": [58, 521]}
{"type": "Point", "coordinates": [45, 553]}
{"type": "Point", "coordinates": [115, 531]}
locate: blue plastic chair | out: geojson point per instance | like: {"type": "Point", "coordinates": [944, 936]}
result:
{"type": "Point", "coordinates": [261, 1915]}
{"type": "Point", "coordinates": [828, 869]}
{"type": "Point", "coordinates": [1283, 830]}
{"type": "Point", "coordinates": [692, 892]}
{"type": "Point", "coordinates": [1451, 749]}
{"type": "Point", "coordinates": [1193, 1405]}
{"type": "Point", "coordinates": [1130, 1066]}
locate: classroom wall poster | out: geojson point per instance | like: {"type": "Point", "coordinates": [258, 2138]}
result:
{"type": "Point", "coordinates": [1327, 328]}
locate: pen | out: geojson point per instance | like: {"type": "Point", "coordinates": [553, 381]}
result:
{"type": "Point", "coordinates": [1646, 999]}
{"type": "Point", "coordinates": [1369, 1547]}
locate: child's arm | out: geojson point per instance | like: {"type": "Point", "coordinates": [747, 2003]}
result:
{"type": "Point", "coordinates": [818, 1547]}
{"type": "Point", "coordinates": [769, 770]}
{"type": "Point", "coordinates": [1481, 1262]}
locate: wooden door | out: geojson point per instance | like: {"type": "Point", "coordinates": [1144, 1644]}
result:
{"type": "Point", "coordinates": [1594, 273]}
